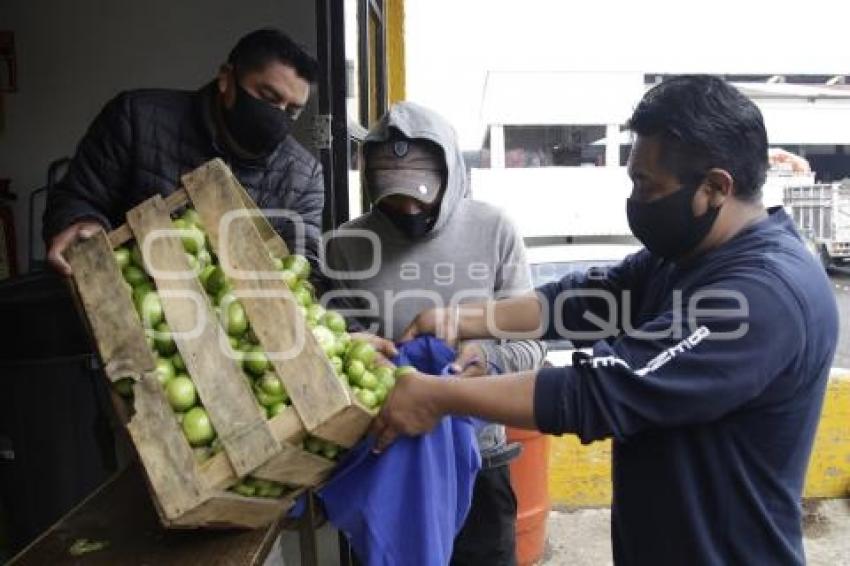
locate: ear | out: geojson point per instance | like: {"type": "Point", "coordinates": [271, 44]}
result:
{"type": "Point", "coordinates": [224, 78]}
{"type": "Point", "coordinates": [720, 185]}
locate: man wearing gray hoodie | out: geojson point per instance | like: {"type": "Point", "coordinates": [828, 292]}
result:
{"type": "Point", "coordinates": [425, 243]}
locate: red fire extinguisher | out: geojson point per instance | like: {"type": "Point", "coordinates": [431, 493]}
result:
{"type": "Point", "coordinates": [8, 255]}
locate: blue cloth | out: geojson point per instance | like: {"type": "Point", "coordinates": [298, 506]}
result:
{"type": "Point", "coordinates": [406, 506]}
{"type": "Point", "coordinates": [711, 435]}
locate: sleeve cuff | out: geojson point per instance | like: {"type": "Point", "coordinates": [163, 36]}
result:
{"type": "Point", "coordinates": [554, 400]}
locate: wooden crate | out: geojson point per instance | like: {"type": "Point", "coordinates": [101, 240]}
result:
{"type": "Point", "coordinates": [188, 494]}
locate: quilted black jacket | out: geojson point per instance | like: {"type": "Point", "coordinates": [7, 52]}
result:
{"type": "Point", "coordinates": [144, 140]}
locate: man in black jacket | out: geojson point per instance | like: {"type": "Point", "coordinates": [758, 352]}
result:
{"type": "Point", "coordinates": [144, 140]}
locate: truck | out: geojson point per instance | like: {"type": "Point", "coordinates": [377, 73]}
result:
{"type": "Point", "coordinates": [822, 214]}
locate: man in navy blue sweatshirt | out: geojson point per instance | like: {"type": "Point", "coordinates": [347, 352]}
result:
{"type": "Point", "coordinates": [711, 347]}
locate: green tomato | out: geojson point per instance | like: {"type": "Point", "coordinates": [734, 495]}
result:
{"type": "Point", "coordinates": [164, 371]}
{"type": "Point", "coordinates": [404, 370]}
{"type": "Point", "coordinates": [302, 297]}
{"type": "Point", "coordinates": [215, 280]}
{"type": "Point", "coordinates": [225, 295]}
{"type": "Point", "coordinates": [334, 321]}
{"type": "Point", "coordinates": [181, 393]}
{"type": "Point", "coordinates": [276, 409]}
{"type": "Point", "coordinates": [256, 362]}
{"type": "Point", "coordinates": [355, 370]}
{"type": "Point", "coordinates": [271, 384]}
{"type": "Point", "coordinates": [124, 387]}
{"type": "Point", "coordinates": [136, 257]}
{"type": "Point", "coordinates": [150, 309]}
{"type": "Point", "coordinates": [205, 273]}
{"type": "Point", "coordinates": [330, 451]}
{"type": "Point", "coordinates": [344, 339]}
{"type": "Point", "coordinates": [298, 264]}
{"type": "Point", "coordinates": [289, 278]}
{"type": "Point", "coordinates": [368, 398]}
{"type": "Point", "coordinates": [276, 491]}
{"type": "Point", "coordinates": [385, 376]}
{"type": "Point", "coordinates": [244, 489]}
{"type": "Point", "coordinates": [122, 257]}
{"type": "Point", "coordinates": [178, 363]}
{"type": "Point", "coordinates": [194, 266]}
{"type": "Point", "coordinates": [315, 313]}
{"type": "Point", "coordinates": [139, 292]}
{"type": "Point", "coordinates": [197, 427]}
{"type": "Point", "coordinates": [363, 351]}
{"type": "Point", "coordinates": [264, 398]}
{"type": "Point", "coordinates": [235, 321]}
{"type": "Point", "coordinates": [191, 236]}
{"type": "Point", "coordinates": [380, 393]}
{"type": "Point", "coordinates": [163, 339]}
{"type": "Point", "coordinates": [192, 217]}
{"type": "Point", "coordinates": [368, 380]}
{"type": "Point", "coordinates": [135, 276]}
{"type": "Point", "coordinates": [204, 259]}
{"type": "Point", "coordinates": [326, 340]}
{"type": "Point", "coordinates": [313, 444]}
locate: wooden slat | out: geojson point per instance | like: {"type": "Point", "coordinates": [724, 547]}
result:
{"type": "Point", "coordinates": [123, 234]}
{"type": "Point", "coordinates": [295, 466]}
{"type": "Point", "coordinates": [316, 392]}
{"type": "Point", "coordinates": [219, 474]}
{"type": "Point", "coordinates": [167, 458]}
{"type": "Point", "coordinates": [221, 385]}
{"type": "Point", "coordinates": [347, 427]}
{"type": "Point", "coordinates": [274, 242]}
{"type": "Point", "coordinates": [226, 510]}
{"type": "Point", "coordinates": [109, 309]}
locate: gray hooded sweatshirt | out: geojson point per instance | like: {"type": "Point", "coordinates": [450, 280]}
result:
{"type": "Point", "coordinates": [473, 252]}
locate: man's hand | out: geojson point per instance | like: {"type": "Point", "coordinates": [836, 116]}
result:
{"type": "Point", "coordinates": [471, 361]}
{"type": "Point", "coordinates": [60, 242]}
{"type": "Point", "coordinates": [441, 322]}
{"type": "Point", "coordinates": [386, 349]}
{"type": "Point", "coordinates": [411, 409]}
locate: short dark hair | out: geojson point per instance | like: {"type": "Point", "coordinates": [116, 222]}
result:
{"type": "Point", "coordinates": [263, 46]}
{"type": "Point", "coordinates": [704, 122]}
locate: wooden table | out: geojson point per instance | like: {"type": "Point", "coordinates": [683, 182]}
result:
{"type": "Point", "coordinates": [121, 513]}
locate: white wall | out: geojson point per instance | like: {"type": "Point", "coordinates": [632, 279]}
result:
{"type": "Point", "coordinates": [73, 56]}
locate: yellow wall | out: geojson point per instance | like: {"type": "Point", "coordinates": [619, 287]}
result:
{"type": "Point", "coordinates": [580, 476]}
{"type": "Point", "coordinates": [395, 50]}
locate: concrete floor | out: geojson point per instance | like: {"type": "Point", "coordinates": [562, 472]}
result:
{"type": "Point", "coordinates": [582, 537]}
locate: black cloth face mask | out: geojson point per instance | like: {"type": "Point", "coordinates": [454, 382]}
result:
{"type": "Point", "coordinates": [414, 226]}
{"type": "Point", "coordinates": [256, 125]}
{"type": "Point", "coordinates": [667, 226]}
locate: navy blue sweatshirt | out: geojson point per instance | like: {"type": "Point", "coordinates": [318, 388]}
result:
{"type": "Point", "coordinates": [713, 415]}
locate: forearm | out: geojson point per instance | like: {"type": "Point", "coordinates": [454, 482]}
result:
{"type": "Point", "coordinates": [513, 318]}
{"type": "Point", "coordinates": [512, 356]}
{"type": "Point", "coordinates": [507, 399]}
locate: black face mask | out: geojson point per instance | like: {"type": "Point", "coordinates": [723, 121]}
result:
{"type": "Point", "coordinates": [254, 124]}
{"type": "Point", "coordinates": [667, 226]}
{"type": "Point", "coordinates": [414, 226]}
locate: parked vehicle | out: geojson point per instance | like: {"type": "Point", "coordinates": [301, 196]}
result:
{"type": "Point", "coordinates": [822, 213]}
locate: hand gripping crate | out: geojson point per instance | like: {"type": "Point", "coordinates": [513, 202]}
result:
{"type": "Point", "coordinates": [188, 493]}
